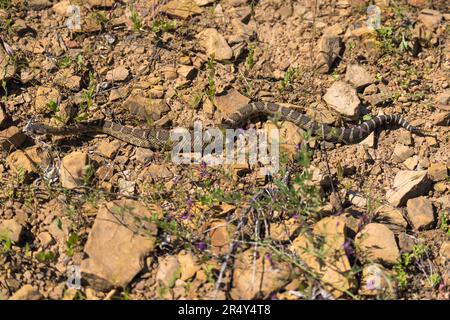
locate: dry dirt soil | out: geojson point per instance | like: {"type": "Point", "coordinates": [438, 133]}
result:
{"type": "Point", "coordinates": [93, 217]}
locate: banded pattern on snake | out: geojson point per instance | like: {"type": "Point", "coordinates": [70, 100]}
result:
{"type": "Point", "coordinates": [159, 138]}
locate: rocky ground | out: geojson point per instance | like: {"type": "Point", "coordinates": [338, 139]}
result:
{"type": "Point", "coordinates": [363, 221]}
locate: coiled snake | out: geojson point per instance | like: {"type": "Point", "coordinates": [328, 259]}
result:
{"type": "Point", "coordinates": [159, 138]}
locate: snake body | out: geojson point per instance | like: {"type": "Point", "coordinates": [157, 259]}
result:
{"type": "Point", "coordinates": [159, 138]}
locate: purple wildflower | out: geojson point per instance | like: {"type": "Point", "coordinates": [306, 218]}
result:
{"type": "Point", "coordinates": [348, 248]}
{"type": "Point", "coordinates": [296, 216]}
{"type": "Point", "coordinates": [201, 245]}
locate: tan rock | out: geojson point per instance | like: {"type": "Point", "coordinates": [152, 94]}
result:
{"type": "Point", "coordinates": [438, 171]}
{"type": "Point", "coordinates": [61, 7]}
{"type": "Point", "coordinates": [342, 97]}
{"type": "Point", "coordinates": [188, 265]}
{"type": "Point", "coordinates": [376, 243]}
{"type": "Point", "coordinates": [407, 185]}
{"type": "Point", "coordinates": [401, 153]}
{"type": "Point", "coordinates": [11, 137]}
{"type": "Point", "coordinates": [328, 48]}
{"type": "Point", "coordinates": [11, 229]}
{"type": "Point", "coordinates": [444, 252]}
{"type": "Point", "coordinates": [411, 163]}
{"type": "Point", "coordinates": [430, 18]}
{"type": "Point", "coordinates": [108, 149]}
{"type": "Point", "coordinates": [145, 108]}
{"type": "Point", "coordinates": [181, 8]}
{"type": "Point", "coordinates": [66, 79]}
{"type": "Point", "coordinates": [157, 171]}
{"type": "Point", "coordinates": [28, 161]}
{"type": "Point", "coordinates": [187, 72]}
{"type": "Point", "coordinates": [73, 169]}
{"type": "Point", "coordinates": [215, 44]}
{"type": "Point", "coordinates": [26, 292]}
{"type": "Point", "coordinates": [420, 213]}
{"type": "Point", "coordinates": [119, 241]}
{"type": "Point", "coordinates": [3, 116]}
{"type": "Point", "coordinates": [7, 65]}
{"type": "Point", "coordinates": [118, 74]}
{"type": "Point", "coordinates": [221, 236]}
{"type": "Point", "coordinates": [101, 3]}
{"type": "Point", "coordinates": [168, 271]}
{"type": "Point", "coordinates": [230, 102]}
{"type": "Point", "coordinates": [390, 215]}
{"type": "Point", "coordinates": [358, 76]}
{"type": "Point", "coordinates": [377, 281]}
{"type": "Point", "coordinates": [45, 95]}
{"type": "Point", "coordinates": [45, 238]}
{"type": "Point", "coordinates": [257, 279]}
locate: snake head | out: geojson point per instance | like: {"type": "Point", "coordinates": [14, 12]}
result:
{"type": "Point", "coordinates": [34, 127]}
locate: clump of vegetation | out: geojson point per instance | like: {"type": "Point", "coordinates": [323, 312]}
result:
{"type": "Point", "coordinates": [289, 76]}
{"type": "Point", "coordinates": [135, 19]}
{"type": "Point", "coordinates": [164, 25]}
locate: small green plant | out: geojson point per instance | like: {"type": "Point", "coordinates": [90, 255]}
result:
{"type": "Point", "coordinates": [45, 256]}
{"type": "Point", "coordinates": [64, 62]}
{"type": "Point", "coordinates": [89, 173]}
{"type": "Point", "coordinates": [387, 40]}
{"type": "Point", "coordinates": [287, 79]}
{"type": "Point", "coordinates": [6, 243]}
{"type": "Point", "coordinates": [5, 4]}
{"type": "Point", "coordinates": [250, 60]}
{"type": "Point", "coordinates": [136, 20]}
{"type": "Point", "coordinates": [445, 226]}
{"type": "Point", "coordinates": [71, 243]}
{"type": "Point", "coordinates": [88, 99]}
{"type": "Point", "coordinates": [164, 25]}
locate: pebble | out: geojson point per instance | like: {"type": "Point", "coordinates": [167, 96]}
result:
{"type": "Point", "coordinates": [420, 213]}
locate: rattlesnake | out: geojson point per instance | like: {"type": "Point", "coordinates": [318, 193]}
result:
{"type": "Point", "coordinates": [159, 138]}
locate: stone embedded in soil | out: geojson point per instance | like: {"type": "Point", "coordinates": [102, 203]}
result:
{"type": "Point", "coordinates": [430, 18]}
{"type": "Point", "coordinates": [230, 102]}
{"type": "Point", "coordinates": [45, 238]}
{"type": "Point", "coordinates": [119, 241]}
{"type": "Point", "coordinates": [420, 213]}
{"type": "Point", "coordinates": [118, 74]}
{"type": "Point", "coordinates": [66, 79]}
{"type": "Point", "coordinates": [376, 280]}
{"type": "Point", "coordinates": [144, 155]}
{"type": "Point", "coordinates": [328, 48]}
{"type": "Point", "coordinates": [168, 271]}
{"type": "Point", "coordinates": [267, 272]}
{"type": "Point", "coordinates": [215, 45]}
{"type": "Point", "coordinates": [290, 136]}
{"type": "Point", "coordinates": [181, 8]}
{"type": "Point", "coordinates": [438, 171]}
{"type": "Point", "coordinates": [203, 2]}
{"type": "Point", "coordinates": [188, 265]}
{"type": "Point", "coordinates": [11, 229]}
{"type": "Point", "coordinates": [406, 242]}
{"type": "Point", "coordinates": [376, 243]}
{"type": "Point", "coordinates": [145, 108]}
{"type": "Point", "coordinates": [358, 76]}
{"type": "Point", "coordinates": [444, 252]}
{"type": "Point", "coordinates": [60, 8]}
{"type": "Point", "coordinates": [27, 292]}
{"type": "Point", "coordinates": [343, 98]}
{"type": "Point", "coordinates": [73, 169]}
{"type": "Point", "coordinates": [401, 153]}
{"type": "Point", "coordinates": [101, 3]}
{"type": "Point", "coordinates": [7, 66]}
{"type": "Point", "coordinates": [390, 216]}
{"type": "Point", "coordinates": [408, 184]}
{"type": "Point", "coordinates": [28, 160]}
{"type": "Point", "coordinates": [108, 149]}
{"type": "Point", "coordinates": [45, 95]}
{"type": "Point", "coordinates": [334, 265]}
{"type": "Point", "coordinates": [187, 72]}
{"type": "Point", "coordinates": [11, 137]}
{"type": "Point", "coordinates": [38, 4]}
{"type": "Point", "coordinates": [411, 163]}
{"type": "Point", "coordinates": [221, 233]}
{"type": "Point", "coordinates": [441, 118]}
{"type": "Point", "coordinates": [157, 171]}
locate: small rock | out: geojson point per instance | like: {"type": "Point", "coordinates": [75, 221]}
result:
{"type": "Point", "coordinates": [45, 239]}
{"type": "Point", "coordinates": [438, 171]}
{"type": "Point", "coordinates": [411, 163]}
{"type": "Point", "coordinates": [119, 241]}
{"type": "Point", "coordinates": [401, 153]}
{"type": "Point", "coordinates": [11, 229]}
{"type": "Point", "coordinates": [420, 213]}
{"type": "Point", "coordinates": [187, 72]}
{"type": "Point", "coordinates": [60, 8]}
{"type": "Point", "coordinates": [66, 79]}
{"type": "Point", "coordinates": [45, 95]}
{"type": "Point", "coordinates": [101, 3]}
{"type": "Point", "coordinates": [28, 161]}
{"type": "Point", "coordinates": [376, 280]}
{"type": "Point", "coordinates": [358, 76]}
{"type": "Point", "coordinates": [419, 3]}
{"type": "Point", "coordinates": [7, 65]}
{"type": "Point", "coordinates": [376, 243]}
{"type": "Point", "coordinates": [215, 45]}
{"type": "Point", "coordinates": [221, 234]}
{"type": "Point", "coordinates": [430, 18]}
{"type": "Point", "coordinates": [145, 108]}
{"type": "Point", "coordinates": [390, 215]}
{"type": "Point", "coordinates": [444, 253]}
{"type": "Point", "coordinates": [27, 292]}
{"type": "Point", "coordinates": [144, 155]}
{"type": "Point", "coordinates": [342, 97]}
{"type": "Point", "coordinates": [407, 185]}
{"type": "Point", "coordinates": [117, 74]}
{"type": "Point", "coordinates": [11, 137]}
{"type": "Point", "coordinates": [230, 102]}
{"type": "Point", "coordinates": [328, 47]}
{"type": "Point", "coordinates": [168, 271]}
{"type": "Point", "coordinates": [181, 8]}
{"type": "Point", "coordinates": [108, 149]}
{"type": "Point", "coordinates": [188, 265]}
{"type": "Point", "coordinates": [157, 171]}
{"type": "Point", "coordinates": [73, 169]}
{"type": "Point", "coordinates": [268, 274]}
